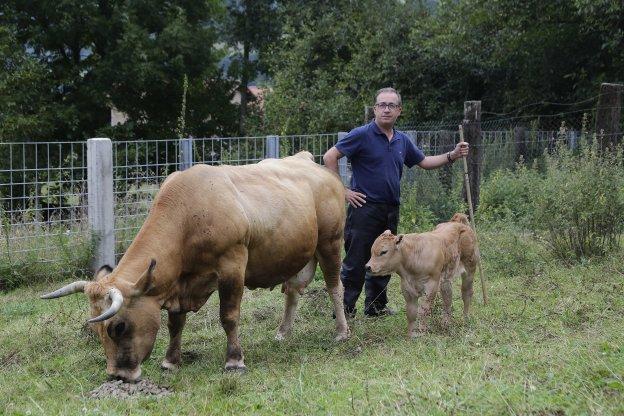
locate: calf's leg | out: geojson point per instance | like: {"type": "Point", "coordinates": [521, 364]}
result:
{"type": "Point", "coordinates": [411, 309]}
{"type": "Point", "coordinates": [424, 310]}
{"type": "Point", "coordinates": [446, 291]}
{"type": "Point", "coordinates": [467, 291]}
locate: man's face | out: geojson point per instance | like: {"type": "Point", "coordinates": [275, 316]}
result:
{"type": "Point", "coordinates": [387, 109]}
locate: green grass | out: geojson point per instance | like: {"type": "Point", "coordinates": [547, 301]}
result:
{"type": "Point", "coordinates": [550, 342]}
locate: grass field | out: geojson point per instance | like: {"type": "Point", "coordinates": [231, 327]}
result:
{"type": "Point", "coordinates": [550, 342]}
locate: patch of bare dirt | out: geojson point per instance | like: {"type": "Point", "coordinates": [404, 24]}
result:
{"type": "Point", "coordinates": [122, 390]}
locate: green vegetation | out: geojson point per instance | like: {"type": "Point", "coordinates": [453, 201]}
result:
{"type": "Point", "coordinates": [550, 342]}
{"type": "Point", "coordinates": [319, 61]}
{"type": "Point", "coordinates": [575, 203]}
{"type": "Point", "coordinates": [45, 254]}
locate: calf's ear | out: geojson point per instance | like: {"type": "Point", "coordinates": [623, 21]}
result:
{"type": "Point", "coordinates": [399, 239]}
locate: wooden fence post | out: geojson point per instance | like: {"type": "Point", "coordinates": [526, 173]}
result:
{"type": "Point", "coordinates": [520, 139]}
{"type": "Point", "coordinates": [472, 131]}
{"type": "Point", "coordinates": [100, 197]}
{"type": "Point", "coordinates": [369, 114]}
{"type": "Point", "coordinates": [608, 113]}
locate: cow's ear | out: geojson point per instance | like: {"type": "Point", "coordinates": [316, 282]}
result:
{"type": "Point", "coordinates": [146, 281]}
{"type": "Point", "coordinates": [103, 272]}
{"type": "Point", "coordinates": [399, 239]}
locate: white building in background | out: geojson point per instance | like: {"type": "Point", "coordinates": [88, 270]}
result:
{"type": "Point", "coordinates": [117, 117]}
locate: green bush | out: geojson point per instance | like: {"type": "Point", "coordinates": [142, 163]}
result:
{"type": "Point", "coordinates": [508, 252]}
{"type": "Point", "coordinates": [428, 198]}
{"type": "Point", "coordinates": [580, 203]}
{"type": "Point", "coordinates": [70, 257]}
{"type": "Point", "coordinates": [508, 196]}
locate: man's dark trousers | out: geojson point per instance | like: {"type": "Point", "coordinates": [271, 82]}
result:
{"type": "Point", "coordinates": [363, 226]}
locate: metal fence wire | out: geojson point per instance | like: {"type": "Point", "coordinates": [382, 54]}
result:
{"type": "Point", "coordinates": [43, 186]}
{"type": "Point", "coordinates": [43, 198]}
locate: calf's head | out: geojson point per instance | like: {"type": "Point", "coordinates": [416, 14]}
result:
{"type": "Point", "coordinates": [125, 318]}
{"type": "Point", "coordinates": [385, 254]}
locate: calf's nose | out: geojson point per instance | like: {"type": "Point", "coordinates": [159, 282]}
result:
{"type": "Point", "coordinates": [369, 268]}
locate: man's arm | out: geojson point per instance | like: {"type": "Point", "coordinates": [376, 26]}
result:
{"type": "Point", "coordinates": [432, 162]}
{"type": "Point", "coordinates": [330, 159]}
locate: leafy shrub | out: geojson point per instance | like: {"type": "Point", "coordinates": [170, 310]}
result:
{"type": "Point", "coordinates": [580, 203]}
{"type": "Point", "coordinates": [508, 196]}
{"type": "Point", "coordinates": [73, 254]}
{"type": "Point", "coordinates": [427, 201]}
{"type": "Point", "coordinates": [509, 252]}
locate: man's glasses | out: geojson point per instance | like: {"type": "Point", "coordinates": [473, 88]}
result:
{"type": "Point", "coordinates": [389, 106]}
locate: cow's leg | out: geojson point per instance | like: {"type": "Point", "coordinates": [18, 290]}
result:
{"type": "Point", "coordinates": [328, 254]}
{"type": "Point", "coordinates": [173, 356]}
{"type": "Point", "coordinates": [292, 290]}
{"type": "Point", "coordinates": [230, 285]}
{"type": "Point", "coordinates": [446, 291]}
{"type": "Point", "coordinates": [467, 279]}
{"type": "Point", "coordinates": [424, 310]}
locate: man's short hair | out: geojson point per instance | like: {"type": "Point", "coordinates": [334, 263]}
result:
{"type": "Point", "coordinates": [388, 89]}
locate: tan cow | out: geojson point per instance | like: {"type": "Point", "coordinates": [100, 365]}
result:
{"type": "Point", "coordinates": [219, 229]}
{"type": "Point", "coordinates": [427, 262]}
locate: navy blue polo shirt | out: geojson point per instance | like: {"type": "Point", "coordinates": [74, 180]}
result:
{"type": "Point", "coordinates": [377, 163]}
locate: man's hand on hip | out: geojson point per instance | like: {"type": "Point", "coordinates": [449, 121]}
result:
{"type": "Point", "coordinates": [356, 199]}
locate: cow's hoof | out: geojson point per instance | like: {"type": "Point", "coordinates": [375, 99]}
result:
{"type": "Point", "coordinates": [167, 365]}
{"type": "Point", "coordinates": [280, 336]}
{"type": "Point", "coordinates": [237, 369]}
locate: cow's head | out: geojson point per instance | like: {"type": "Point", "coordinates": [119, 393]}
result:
{"type": "Point", "coordinates": [125, 317]}
{"type": "Point", "coordinates": [385, 255]}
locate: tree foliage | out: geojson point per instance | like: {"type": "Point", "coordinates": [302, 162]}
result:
{"type": "Point", "coordinates": [66, 63]}
{"type": "Point", "coordinates": [438, 55]}
{"type": "Point", "coordinates": [131, 55]}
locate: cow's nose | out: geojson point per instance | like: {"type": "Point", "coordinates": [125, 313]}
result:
{"type": "Point", "coordinates": [369, 268]}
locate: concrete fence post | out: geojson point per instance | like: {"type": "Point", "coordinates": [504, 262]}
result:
{"type": "Point", "coordinates": [100, 200]}
{"type": "Point", "coordinates": [272, 147]}
{"type": "Point", "coordinates": [342, 162]}
{"type": "Point", "coordinates": [185, 153]}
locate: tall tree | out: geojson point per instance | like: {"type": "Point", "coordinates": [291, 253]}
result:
{"type": "Point", "coordinates": [331, 59]}
{"type": "Point", "coordinates": [250, 28]}
{"type": "Point", "coordinates": [130, 54]}
{"type": "Point", "coordinates": [26, 92]}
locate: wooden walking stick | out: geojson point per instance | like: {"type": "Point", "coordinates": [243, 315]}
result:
{"type": "Point", "coordinates": [472, 223]}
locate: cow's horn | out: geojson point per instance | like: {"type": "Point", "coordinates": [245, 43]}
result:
{"type": "Point", "coordinates": [74, 287]}
{"type": "Point", "coordinates": [116, 301]}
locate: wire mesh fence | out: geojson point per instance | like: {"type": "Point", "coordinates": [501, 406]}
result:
{"type": "Point", "coordinates": [43, 203]}
{"type": "Point", "coordinates": [43, 186]}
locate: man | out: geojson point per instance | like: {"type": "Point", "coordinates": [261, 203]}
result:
{"type": "Point", "coordinates": [377, 153]}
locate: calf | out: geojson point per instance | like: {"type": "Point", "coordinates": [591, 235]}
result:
{"type": "Point", "coordinates": [427, 262]}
